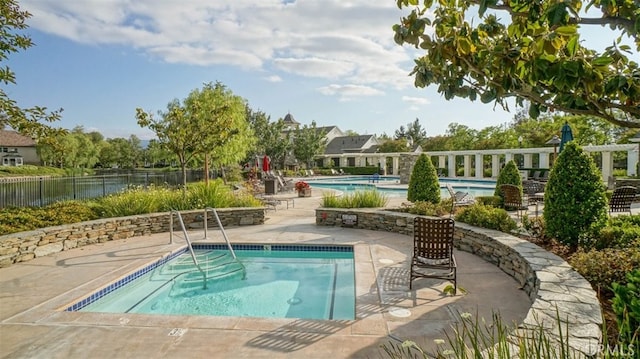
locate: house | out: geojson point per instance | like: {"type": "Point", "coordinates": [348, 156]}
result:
{"type": "Point", "coordinates": [16, 149]}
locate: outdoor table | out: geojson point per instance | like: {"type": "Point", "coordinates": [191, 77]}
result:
{"type": "Point", "coordinates": [537, 197]}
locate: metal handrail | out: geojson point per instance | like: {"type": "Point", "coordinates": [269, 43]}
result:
{"type": "Point", "coordinates": [186, 237]}
{"type": "Point", "coordinates": [224, 235]}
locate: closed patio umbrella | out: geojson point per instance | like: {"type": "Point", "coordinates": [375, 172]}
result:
{"type": "Point", "coordinates": [266, 163]}
{"type": "Point", "coordinates": [565, 135]}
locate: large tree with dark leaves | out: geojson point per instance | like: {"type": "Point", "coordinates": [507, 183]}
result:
{"type": "Point", "coordinates": [27, 121]}
{"type": "Point", "coordinates": [530, 51]}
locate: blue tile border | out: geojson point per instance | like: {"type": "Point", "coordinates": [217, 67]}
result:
{"type": "Point", "coordinates": [255, 247]}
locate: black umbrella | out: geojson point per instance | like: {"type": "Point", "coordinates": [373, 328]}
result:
{"type": "Point", "coordinates": [565, 135]}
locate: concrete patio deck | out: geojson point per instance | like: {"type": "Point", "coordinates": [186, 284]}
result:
{"type": "Point", "coordinates": [34, 294]}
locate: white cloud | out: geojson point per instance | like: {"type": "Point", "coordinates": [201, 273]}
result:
{"type": "Point", "coordinates": [349, 92]}
{"type": "Point", "coordinates": [415, 101]}
{"type": "Point", "coordinates": [351, 40]}
{"type": "Point", "coordinates": [273, 78]}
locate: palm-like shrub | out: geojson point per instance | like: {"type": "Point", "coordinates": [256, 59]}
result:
{"type": "Point", "coordinates": [508, 175]}
{"type": "Point", "coordinates": [424, 184]}
{"type": "Point", "coordinates": [575, 204]}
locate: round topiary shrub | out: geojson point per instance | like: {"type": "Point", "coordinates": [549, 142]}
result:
{"type": "Point", "coordinates": [508, 175]}
{"type": "Point", "coordinates": [575, 205]}
{"type": "Point", "coordinates": [424, 184]}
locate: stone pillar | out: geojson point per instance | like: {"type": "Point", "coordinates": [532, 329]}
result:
{"type": "Point", "coordinates": [495, 166]}
{"type": "Point", "coordinates": [607, 165]}
{"type": "Point", "coordinates": [467, 165]}
{"type": "Point", "coordinates": [528, 161]}
{"type": "Point", "coordinates": [395, 165]}
{"type": "Point", "coordinates": [479, 165]}
{"type": "Point", "coordinates": [452, 165]}
{"type": "Point", "coordinates": [405, 167]}
{"type": "Point", "coordinates": [508, 157]}
{"type": "Point", "coordinates": [442, 161]}
{"type": "Point", "coordinates": [633, 156]}
{"type": "Point", "coordinates": [544, 160]}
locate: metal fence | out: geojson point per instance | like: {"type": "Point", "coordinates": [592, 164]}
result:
{"type": "Point", "coordinates": [41, 191]}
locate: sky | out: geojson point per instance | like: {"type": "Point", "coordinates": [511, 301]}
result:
{"type": "Point", "coordinates": [329, 61]}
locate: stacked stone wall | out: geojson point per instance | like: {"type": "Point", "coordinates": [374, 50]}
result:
{"type": "Point", "coordinates": [24, 246]}
{"type": "Point", "coordinates": [559, 295]}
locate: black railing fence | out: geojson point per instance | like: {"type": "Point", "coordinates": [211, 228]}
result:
{"type": "Point", "coordinates": [41, 191]}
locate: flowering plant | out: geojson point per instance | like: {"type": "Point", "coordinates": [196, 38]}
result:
{"type": "Point", "coordinates": [301, 185]}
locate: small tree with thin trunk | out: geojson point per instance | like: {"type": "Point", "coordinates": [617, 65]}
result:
{"type": "Point", "coordinates": [424, 184]}
{"type": "Point", "coordinates": [575, 204]}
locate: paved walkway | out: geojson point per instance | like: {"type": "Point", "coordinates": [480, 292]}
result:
{"type": "Point", "coordinates": [33, 294]}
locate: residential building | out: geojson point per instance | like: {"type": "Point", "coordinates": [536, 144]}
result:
{"type": "Point", "coordinates": [16, 149]}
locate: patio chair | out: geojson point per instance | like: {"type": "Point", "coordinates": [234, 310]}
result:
{"type": "Point", "coordinates": [513, 199]}
{"type": "Point", "coordinates": [536, 175]}
{"type": "Point", "coordinates": [459, 198]}
{"type": "Point", "coordinates": [545, 176]}
{"type": "Point", "coordinates": [433, 250]}
{"type": "Point", "coordinates": [533, 190]}
{"type": "Point", "coordinates": [621, 199]}
{"type": "Point", "coordinates": [285, 185]}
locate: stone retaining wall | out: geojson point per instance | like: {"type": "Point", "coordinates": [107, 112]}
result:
{"type": "Point", "coordinates": [23, 246]}
{"type": "Point", "coordinates": [555, 289]}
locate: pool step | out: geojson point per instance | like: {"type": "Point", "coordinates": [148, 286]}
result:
{"type": "Point", "coordinates": [185, 263]}
{"type": "Point", "coordinates": [194, 280]}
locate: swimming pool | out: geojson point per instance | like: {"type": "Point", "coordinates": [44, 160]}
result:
{"type": "Point", "coordinates": [279, 281]}
{"type": "Point", "coordinates": [390, 185]}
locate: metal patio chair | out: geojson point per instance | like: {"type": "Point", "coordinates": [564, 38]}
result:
{"type": "Point", "coordinates": [433, 250]}
{"type": "Point", "coordinates": [513, 199]}
{"type": "Point", "coordinates": [621, 199]}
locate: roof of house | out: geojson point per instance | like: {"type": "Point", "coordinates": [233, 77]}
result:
{"type": "Point", "coordinates": [15, 139]}
{"type": "Point", "coordinates": [288, 119]}
{"type": "Point", "coordinates": [346, 144]}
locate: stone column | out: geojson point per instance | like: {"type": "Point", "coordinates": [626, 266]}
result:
{"type": "Point", "coordinates": [467, 165]}
{"type": "Point", "coordinates": [442, 161]}
{"type": "Point", "coordinates": [632, 161]}
{"type": "Point", "coordinates": [495, 165]}
{"type": "Point", "coordinates": [528, 161]}
{"type": "Point", "coordinates": [607, 165]}
{"type": "Point", "coordinates": [479, 165]}
{"type": "Point", "coordinates": [544, 160]}
{"type": "Point", "coordinates": [452, 166]}
{"type": "Point", "coordinates": [395, 165]}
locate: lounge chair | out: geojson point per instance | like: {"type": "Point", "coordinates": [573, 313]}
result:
{"type": "Point", "coordinates": [513, 199]}
{"type": "Point", "coordinates": [285, 185]}
{"type": "Point", "coordinates": [621, 199]}
{"type": "Point", "coordinates": [545, 176]}
{"type": "Point", "coordinates": [433, 250]}
{"type": "Point", "coordinates": [459, 198]}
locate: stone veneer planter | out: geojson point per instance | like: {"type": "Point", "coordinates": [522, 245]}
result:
{"type": "Point", "coordinates": [23, 246]}
{"type": "Point", "coordinates": [555, 289]}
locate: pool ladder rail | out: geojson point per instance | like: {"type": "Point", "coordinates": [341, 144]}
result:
{"type": "Point", "coordinates": [194, 257]}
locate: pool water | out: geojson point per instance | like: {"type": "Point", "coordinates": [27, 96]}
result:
{"type": "Point", "coordinates": [389, 185]}
{"type": "Point", "coordinates": [281, 281]}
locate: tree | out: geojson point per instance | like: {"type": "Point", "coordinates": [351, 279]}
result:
{"type": "Point", "coordinates": [575, 204]}
{"type": "Point", "coordinates": [424, 184]}
{"type": "Point", "coordinates": [530, 50]}
{"type": "Point", "coordinates": [307, 143]}
{"type": "Point", "coordinates": [27, 121]}
{"type": "Point", "coordinates": [199, 126]}
{"type": "Point", "coordinates": [392, 146]}
{"type": "Point", "coordinates": [271, 138]}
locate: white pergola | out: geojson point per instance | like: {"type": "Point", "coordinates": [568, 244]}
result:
{"type": "Point", "coordinates": [475, 159]}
